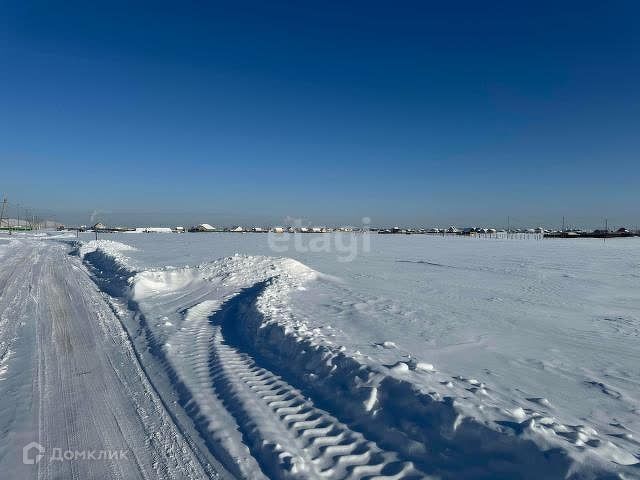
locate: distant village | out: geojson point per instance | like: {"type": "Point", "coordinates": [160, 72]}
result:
{"type": "Point", "coordinates": [487, 232]}
{"type": "Point", "coordinates": [205, 227]}
{"type": "Point", "coordinates": [26, 220]}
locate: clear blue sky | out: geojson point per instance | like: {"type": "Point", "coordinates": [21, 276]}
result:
{"type": "Point", "coordinates": [416, 112]}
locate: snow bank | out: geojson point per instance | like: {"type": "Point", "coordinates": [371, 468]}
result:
{"type": "Point", "coordinates": [113, 251]}
{"type": "Point", "coordinates": [111, 268]}
{"type": "Point", "coordinates": [238, 308]}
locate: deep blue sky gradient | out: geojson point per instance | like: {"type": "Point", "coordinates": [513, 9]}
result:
{"type": "Point", "coordinates": [243, 112]}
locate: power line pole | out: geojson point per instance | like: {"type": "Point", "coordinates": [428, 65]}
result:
{"type": "Point", "coordinates": [4, 204]}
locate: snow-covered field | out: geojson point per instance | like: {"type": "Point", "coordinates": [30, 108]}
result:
{"type": "Point", "coordinates": [422, 356]}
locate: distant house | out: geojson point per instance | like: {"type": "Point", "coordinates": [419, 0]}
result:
{"type": "Point", "coordinates": [203, 227]}
{"type": "Point", "coordinates": [277, 230]}
{"type": "Point", "coordinates": [99, 226]}
{"type": "Point", "coordinates": [178, 229]}
{"type": "Point", "coordinates": [258, 229]}
{"type": "Point", "coordinates": [237, 229]}
{"type": "Point", "coordinates": [153, 230]}
{"type": "Point", "coordinates": [316, 229]}
{"type": "Point", "coordinates": [452, 229]}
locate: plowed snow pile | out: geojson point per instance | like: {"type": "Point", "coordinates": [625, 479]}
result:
{"type": "Point", "coordinates": [286, 371]}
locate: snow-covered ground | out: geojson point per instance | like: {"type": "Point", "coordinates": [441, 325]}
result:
{"type": "Point", "coordinates": [422, 356]}
{"type": "Point", "coordinates": [70, 380]}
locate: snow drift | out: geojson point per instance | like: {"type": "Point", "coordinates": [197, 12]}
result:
{"type": "Point", "coordinates": [271, 396]}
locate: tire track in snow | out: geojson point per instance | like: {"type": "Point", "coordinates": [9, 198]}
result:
{"type": "Point", "coordinates": [288, 435]}
{"type": "Point", "coordinates": [186, 352]}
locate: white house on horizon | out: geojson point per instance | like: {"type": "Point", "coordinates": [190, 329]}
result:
{"type": "Point", "coordinates": [203, 227]}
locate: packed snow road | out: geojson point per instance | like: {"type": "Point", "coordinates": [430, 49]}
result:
{"type": "Point", "coordinates": [70, 382]}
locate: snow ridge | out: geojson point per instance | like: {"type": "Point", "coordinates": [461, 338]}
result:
{"type": "Point", "coordinates": [286, 430]}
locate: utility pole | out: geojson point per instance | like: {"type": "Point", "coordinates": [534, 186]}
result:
{"type": "Point", "coordinates": [4, 204]}
{"type": "Point", "coordinates": [563, 223]}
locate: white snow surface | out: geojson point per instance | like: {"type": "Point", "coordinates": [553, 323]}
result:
{"type": "Point", "coordinates": [423, 357]}
{"type": "Point", "coordinates": [423, 344]}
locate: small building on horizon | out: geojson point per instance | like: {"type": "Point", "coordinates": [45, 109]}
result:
{"type": "Point", "coordinates": [203, 227]}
